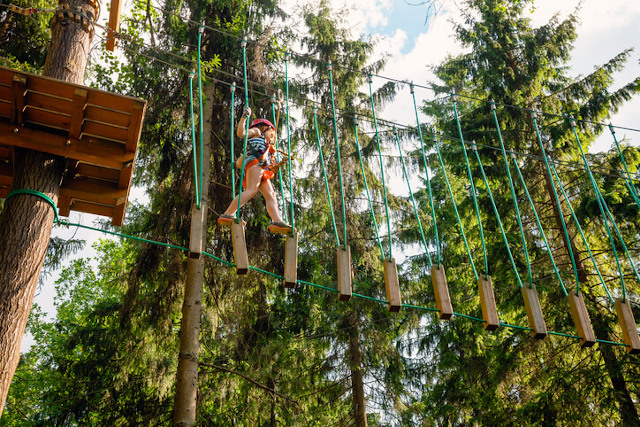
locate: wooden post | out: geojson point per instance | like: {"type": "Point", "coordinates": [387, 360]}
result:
{"type": "Point", "coordinates": [441, 292]}
{"type": "Point", "coordinates": [114, 24]}
{"type": "Point", "coordinates": [534, 313]}
{"type": "Point", "coordinates": [344, 274]}
{"type": "Point", "coordinates": [184, 409]}
{"type": "Point", "coordinates": [239, 247]}
{"type": "Point", "coordinates": [488, 303]}
{"type": "Point", "coordinates": [392, 285]}
{"type": "Point", "coordinates": [581, 319]}
{"type": "Point", "coordinates": [628, 325]}
{"type": "Point", "coordinates": [291, 261]}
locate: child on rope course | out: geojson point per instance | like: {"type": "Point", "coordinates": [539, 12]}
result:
{"type": "Point", "coordinates": [259, 169]}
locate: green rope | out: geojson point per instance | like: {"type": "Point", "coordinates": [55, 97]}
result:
{"type": "Point", "coordinates": [37, 194]}
{"type": "Point", "coordinates": [473, 187]}
{"type": "Point", "coordinates": [413, 200]}
{"type": "Point", "coordinates": [557, 200]}
{"type": "Point", "coordinates": [324, 174]}
{"type": "Point", "coordinates": [193, 138]}
{"type": "Point", "coordinates": [426, 170]}
{"type": "Point", "coordinates": [201, 116]}
{"type": "Point", "coordinates": [384, 187]}
{"type": "Point", "coordinates": [455, 206]}
{"type": "Point", "coordinates": [544, 236]}
{"type": "Point", "coordinates": [233, 163]}
{"type": "Point", "coordinates": [584, 238]}
{"type": "Point", "coordinates": [293, 221]}
{"type": "Point", "coordinates": [495, 210]}
{"type": "Point", "coordinates": [366, 186]}
{"type": "Point", "coordinates": [335, 131]}
{"type": "Point", "coordinates": [598, 195]}
{"type": "Point", "coordinates": [513, 194]}
{"type": "Point", "coordinates": [284, 202]}
{"type": "Point", "coordinates": [617, 230]}
{"type": "Point", "coordinates": [630, 185]}
{"type": "Point", "coordinates": [243, 44]}
{"type": "Point", "coordinates": [604, 208]}
{"type": "Point", "coordinates": [302, 282]}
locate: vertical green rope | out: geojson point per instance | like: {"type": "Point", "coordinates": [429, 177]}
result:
{"type": "Point", "coordinates": [366, 186]}
{"type": "Point", "coordinates": [243, 44]}
{"type": "Point", "coordinates": [426, 170]}
{"type": "Point", "coordinates": [193, 139]}
{"type": "Point", "coordinates": [495, 211]}
{"type": "Point", "coordinates": [632, 188]}
{"type": "Point", "coordinates": [324, 174]}
{"type": "Point", "coordinates": [601, 204]}
{"type": "Point", "coordinates": [293, 220]}
{"type": "Point", "coordinates": [273, 114]}
{"type": "Point", "coordinates": [617, 230]}
{"type": "Point", "coordinates": [473, 187]}
{"type": "Point", "coordinates": [335, 131]}
{"type": "Point", "coordinates": [384, 187]}
{"type": "Point", "coordinates": [201, 115]}
{"type": "Point", "coordinates": [535, 214]}
{"type": "Point", "coordinates": [413, 200]}
{"type": "Point", "coordinates": [513, 194]}
{"type": "Point", "coordinates": [557, 200]}
{"type": "Point", "coordinates": [455, 206]}
{"type": "Point", "coordinates": [233, 163]}
{"type": "Point", "coordinates": [584, 238]}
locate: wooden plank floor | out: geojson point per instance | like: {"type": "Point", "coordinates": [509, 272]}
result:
{"type": "Point", "coordinates": [97, 131]}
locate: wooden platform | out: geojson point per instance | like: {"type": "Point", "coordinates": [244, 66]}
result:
{"type": "Point", "coordinates": [97, 131]}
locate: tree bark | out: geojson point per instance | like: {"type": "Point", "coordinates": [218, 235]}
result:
{"type": "Point", "coordinates": [569, 244]}
{"type": "Point", "coordinates": [357, 380]}
{"type": "Point", "coordinates": [25, 223]}
{"type": "Point", "coordinates": [185, 401]}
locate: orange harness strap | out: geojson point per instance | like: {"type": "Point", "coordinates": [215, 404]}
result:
{"type": "Point", "coordinates": [267, 175]}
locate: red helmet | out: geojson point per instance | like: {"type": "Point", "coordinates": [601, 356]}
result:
{"type": "Point", "coordinates": [258, 122]}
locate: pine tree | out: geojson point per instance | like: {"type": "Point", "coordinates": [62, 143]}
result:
{"type": "Point", "coordinates": [506, 377]}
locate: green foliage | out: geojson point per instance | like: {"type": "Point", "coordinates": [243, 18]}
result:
{"type": "Point", "coordinates": [506, 378]}
{"type": "Point", "coordinates": [24, 39]}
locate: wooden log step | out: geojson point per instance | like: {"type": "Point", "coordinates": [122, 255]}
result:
{"type": "Point", "coordinates": [291, 261]}
{"type": "Point", "coordinates": [344, 273]}
{"type": "Point", "coordinates": [534, 313]}
{"type": "Point", "coordinates": [392, 285]}
{"type": "Point", "coordinates": [239, 248]}
{"type": "Point", "coordinates": [196, 241]}
{"type": "Point", "coordinates": [628, 325]}
{"type": "Point", "coordinates": [441, 292]}
{"type": "Point", "coordinates": [488, 303]}
{"type": "Point", "coordinates": [581, 319]}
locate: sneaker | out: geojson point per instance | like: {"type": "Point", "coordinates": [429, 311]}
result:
{"type": "Point", "coordinates": [226, 220]}
{"type": "Point", "coordinates": [280, 228]}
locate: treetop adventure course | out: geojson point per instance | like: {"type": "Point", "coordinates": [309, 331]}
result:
{"type": "Point", "coordinates": [97, 133]}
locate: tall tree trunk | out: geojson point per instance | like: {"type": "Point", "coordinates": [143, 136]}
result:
{"type": "Point", "coordinates": [355, 364]}
{"type": "Point", "coordinates": [613, 366]}
{"type": "Point", "coordinates": [185, 401]}
{"type": "Point", "coordinates": [569, 244]}
{"type": "Point", "coordinates": [25, 223]}
{"type": "Point", "coordinates": [625, 401]}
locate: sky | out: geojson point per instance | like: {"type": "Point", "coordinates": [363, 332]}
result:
{"type": "Point", "coordinates": [414, 43]}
